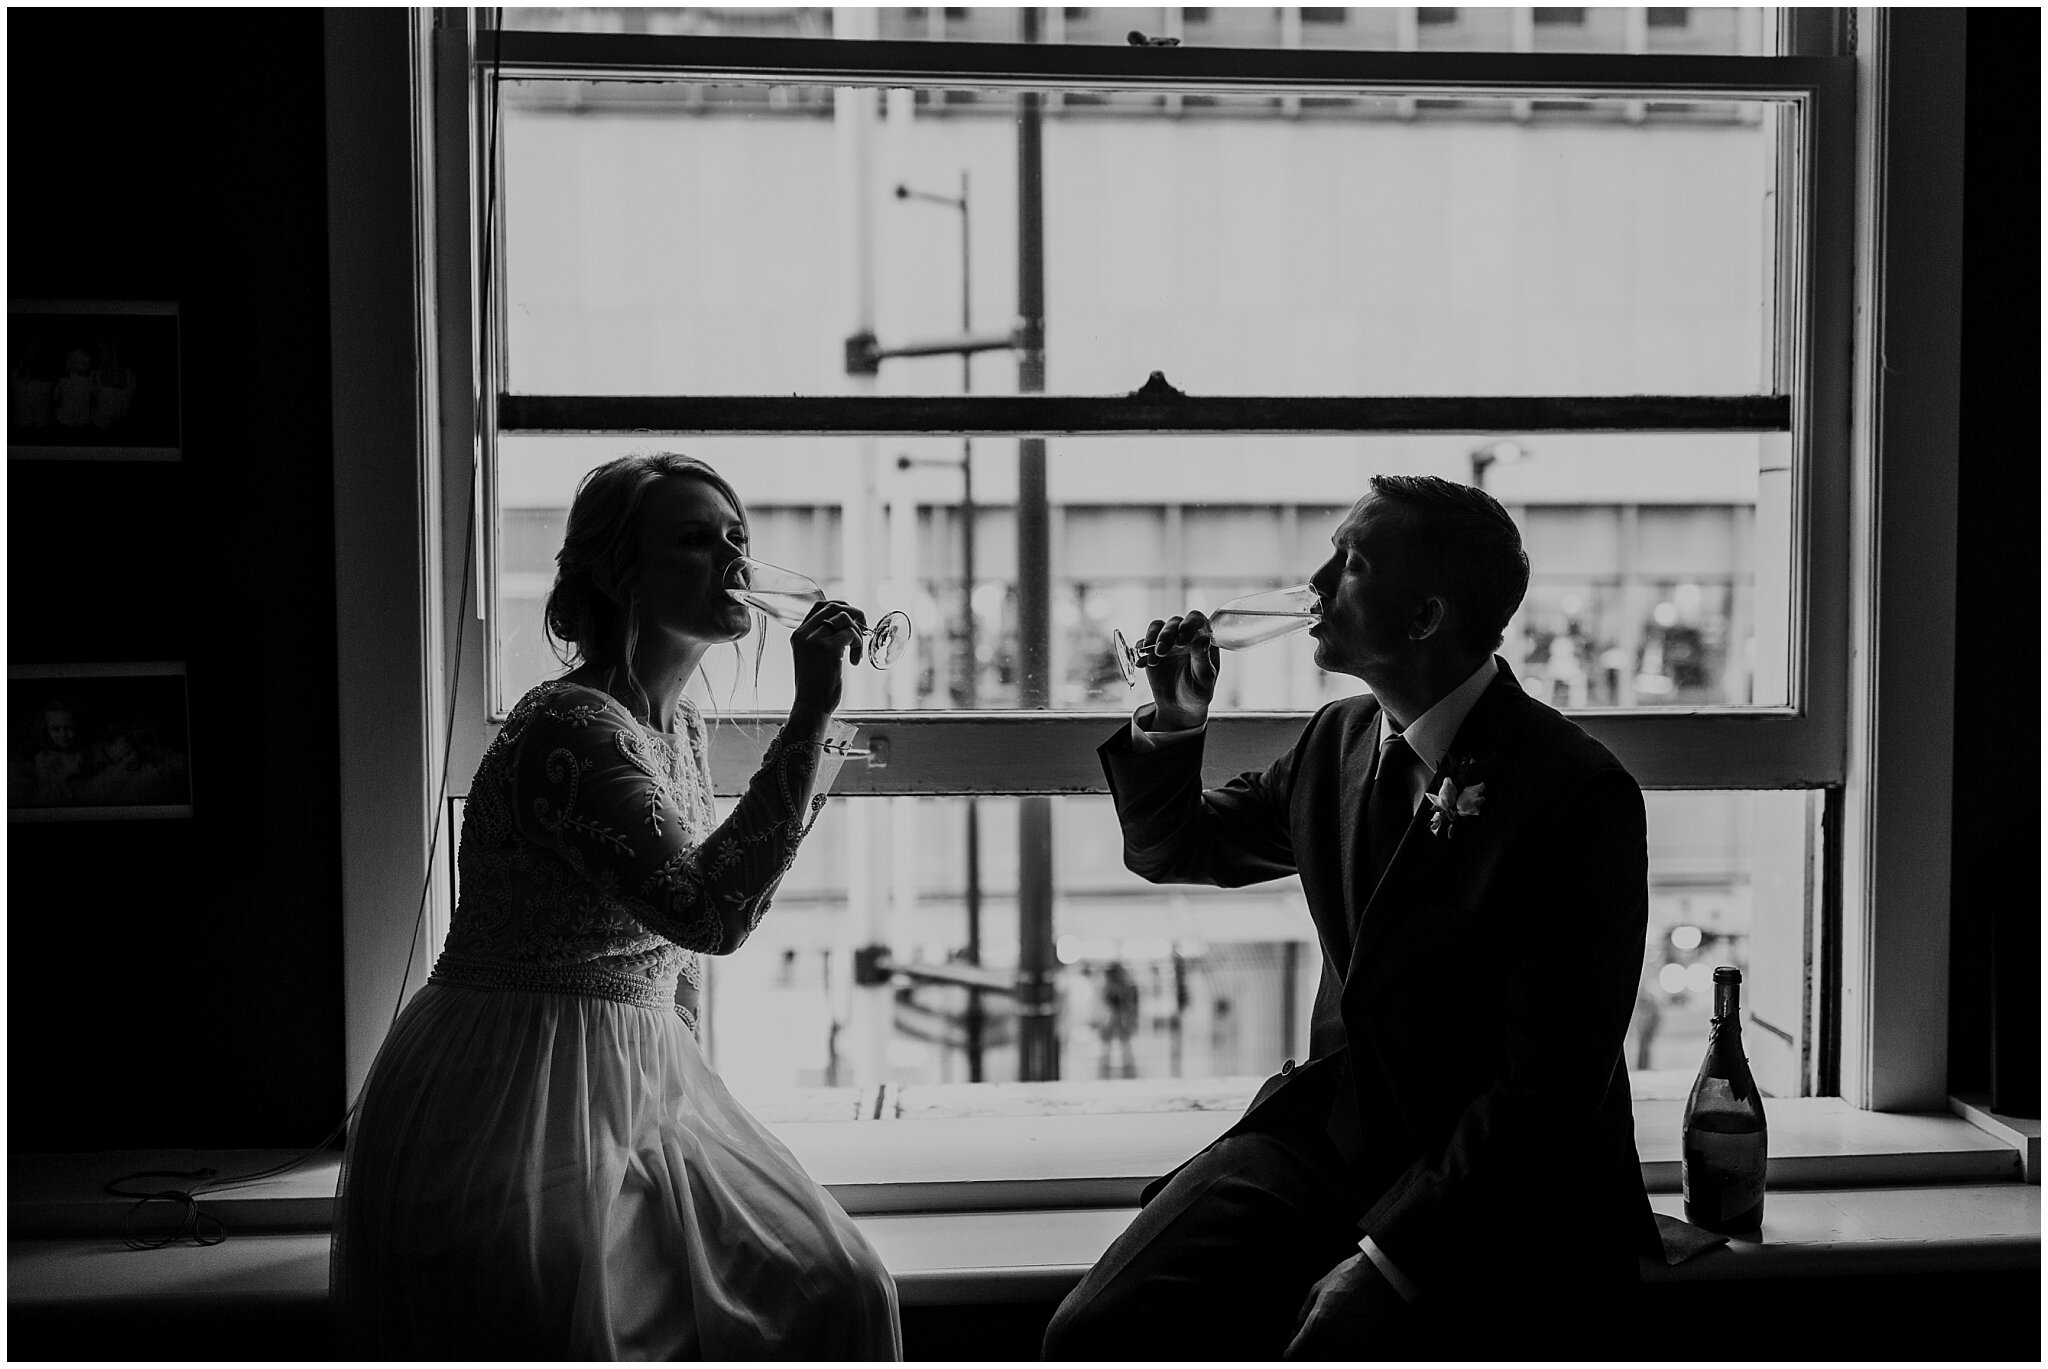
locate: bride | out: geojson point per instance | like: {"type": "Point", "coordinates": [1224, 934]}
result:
{"type": "Point", "coordinates": [543, 1166]}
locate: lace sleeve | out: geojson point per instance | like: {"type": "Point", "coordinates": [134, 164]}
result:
{"type": "Point", "coordinates": [589, 789]}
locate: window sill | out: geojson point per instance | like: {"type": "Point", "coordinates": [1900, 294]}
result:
{"type": "Point", "coordinates": [1013, 1163]}
{"type": "Point", "coordinates": [989, 1258]}
{"type": "Point", "coordinates": [981, 1211]}
{"type": "Point", "coordinates": [1008, 1164]}
{"type": "Point", "coordinates": [944, 1259]}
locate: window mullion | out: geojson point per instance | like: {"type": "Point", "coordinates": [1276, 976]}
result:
{"type": "Point", "coordinates": [1440, 74]}
{"type": "Point", "coordinates": [1077, 414]}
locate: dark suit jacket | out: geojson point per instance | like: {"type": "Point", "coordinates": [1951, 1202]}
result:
{"type": "Point", "coordinates": [1482, 1005]}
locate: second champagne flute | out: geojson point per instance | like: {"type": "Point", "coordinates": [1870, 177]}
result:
{"type": "Point", "coordinates": [1246, 621]}
{"type": "Point", "coordinates": [787, 595]}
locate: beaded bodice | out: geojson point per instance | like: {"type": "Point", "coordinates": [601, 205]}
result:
{"type": "Point", "coordinates": [591, 859]}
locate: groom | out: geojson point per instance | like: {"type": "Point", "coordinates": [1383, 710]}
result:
{"type": "Point", "coordinates": [1452, 1172]}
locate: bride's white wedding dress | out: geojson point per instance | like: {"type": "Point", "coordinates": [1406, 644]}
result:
{"type": "Point", "coordinates": [543, 1166]}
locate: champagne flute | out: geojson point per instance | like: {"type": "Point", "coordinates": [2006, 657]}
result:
{"type": "Point", "coordinates": [1246, 621]}
{"type": "Point", "coordinates": [787, 596]}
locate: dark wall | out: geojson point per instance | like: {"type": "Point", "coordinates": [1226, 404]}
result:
{"type": "Point", "coordinates": [1995, 981]}
{"type": "Point", "coordinates": [1794, 1319]}
{"type": "Point", "coordinates": [177, 982]}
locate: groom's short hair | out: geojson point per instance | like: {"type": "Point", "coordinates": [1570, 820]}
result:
{"type": "Point", "coordinates": [1468, 544]}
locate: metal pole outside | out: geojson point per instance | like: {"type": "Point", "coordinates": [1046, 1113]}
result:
{"type": "Point", "coordinates": [1037, 1036]}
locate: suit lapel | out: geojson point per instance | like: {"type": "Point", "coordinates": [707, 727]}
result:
{"type": "Point", "coordinates": [1404, 887]}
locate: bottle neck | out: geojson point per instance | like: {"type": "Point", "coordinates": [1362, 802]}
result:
{"type": "Point", "coordinates": [1727, 1002]}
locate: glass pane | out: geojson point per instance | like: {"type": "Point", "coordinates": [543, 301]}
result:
{"type": "Point", "coordinates": [1352, 27]}
{"type": "Point", "coordinates": [669, 238]}
{"type": "Point", "coordinates": [1655, 579]}
{"type": "Point", "coordinates": [1730, 884]}
{"type": "Point", "coordinates": [1193, 993]}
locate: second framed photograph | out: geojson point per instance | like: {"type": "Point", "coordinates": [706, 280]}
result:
{"type": "Point", "coordinates": [93, 380]}
{"type": "Point", "coordinates": [98, 741]}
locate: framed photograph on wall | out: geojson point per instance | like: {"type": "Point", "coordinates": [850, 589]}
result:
{"type": "Point", "coordinates": [93, 380]}
{"type": "Point", "coordinates": [98, 741]}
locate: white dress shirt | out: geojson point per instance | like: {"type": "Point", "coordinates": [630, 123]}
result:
{"type": "Point", "coordinates": [1429, 737]}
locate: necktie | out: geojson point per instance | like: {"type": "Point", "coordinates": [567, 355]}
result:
{"type": "Point", "coordinates": [1389, 807]}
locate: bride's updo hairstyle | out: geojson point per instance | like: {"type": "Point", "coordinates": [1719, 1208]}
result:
{"type": "Point", "coordinates": [592, 615]}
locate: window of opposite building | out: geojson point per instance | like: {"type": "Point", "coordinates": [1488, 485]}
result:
{"type": "Point", "coordinates": [714, 258]}
{"type": "Point", "coordinates": [1724, 30]}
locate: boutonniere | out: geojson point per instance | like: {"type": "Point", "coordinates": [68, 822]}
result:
{"type": "Point", "coordinates": [1459, 794]}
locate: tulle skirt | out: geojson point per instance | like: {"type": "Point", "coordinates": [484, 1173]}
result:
{"type": "Point", "coordinates": [558, 1176]}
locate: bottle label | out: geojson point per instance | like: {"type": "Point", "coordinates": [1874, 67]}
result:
{"type": "Point", "coordinates": [1723, 1173]}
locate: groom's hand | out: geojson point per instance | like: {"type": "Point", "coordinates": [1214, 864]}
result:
{"type": "Point", "coordinates": [1349, 1314]}
{"type": "Point", "coordinates": [1181, 664]}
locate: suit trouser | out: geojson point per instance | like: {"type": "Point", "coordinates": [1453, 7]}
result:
{"type": "Point", "coordinates": [1221, 1262]}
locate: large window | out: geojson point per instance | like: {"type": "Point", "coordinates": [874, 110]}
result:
{"type": "Point", "coordinates": [909, 306]}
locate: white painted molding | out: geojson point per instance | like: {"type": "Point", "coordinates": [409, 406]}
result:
{"type": "Point", "coordinates": [1896, 811]}
{"type": "Point", "coordinates": [384, 519]}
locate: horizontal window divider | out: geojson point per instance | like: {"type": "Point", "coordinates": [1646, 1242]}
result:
{"type": "Point", "coordinates": [1050, 66]}
{"type": "Point", "coordinates": [1021, 752]}
{"type": "Point", "coordinates": [848, 415]}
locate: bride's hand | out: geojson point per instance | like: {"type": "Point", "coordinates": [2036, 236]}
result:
{"type": "Point", "coordinates": [829, 636]}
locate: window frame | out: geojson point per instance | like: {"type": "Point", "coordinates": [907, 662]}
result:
{"type": "Point", "coordinates": [1050, 751]}
{"type": "Point", "coordinates": [1847, 697]}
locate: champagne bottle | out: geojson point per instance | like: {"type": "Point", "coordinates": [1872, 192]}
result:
{"type": "Point", "coordinates": [1725, 1138]}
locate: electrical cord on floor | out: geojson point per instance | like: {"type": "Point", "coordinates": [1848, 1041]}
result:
{"type": "Point", "coordinates": [195, 1227]}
